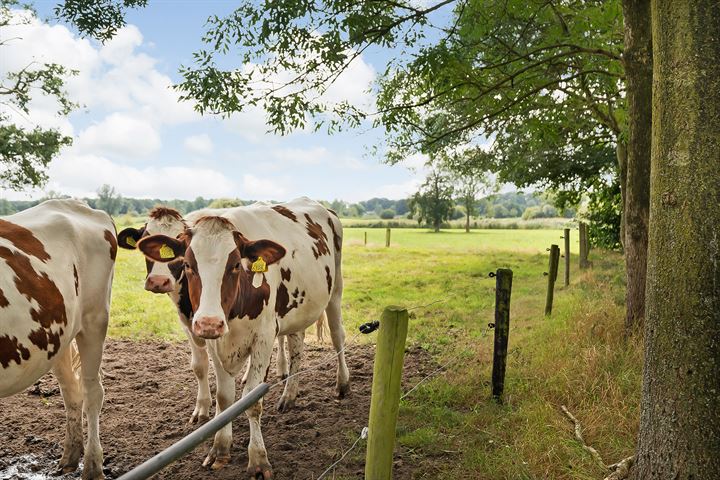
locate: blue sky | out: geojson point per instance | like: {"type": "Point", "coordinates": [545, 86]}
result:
{"type": "Point", "coordinates": [132, 134]}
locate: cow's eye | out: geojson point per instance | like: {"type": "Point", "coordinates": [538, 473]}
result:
{"type": "Point", "coordinates": [237, 266]}
{"type": "Point", "coordinates": [187, 267]}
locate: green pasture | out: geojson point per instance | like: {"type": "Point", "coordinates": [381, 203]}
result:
{"type": "Point", "coordinates": [449, 425]}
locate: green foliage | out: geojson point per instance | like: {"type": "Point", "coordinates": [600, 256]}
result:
{"type": "Point", "coordinates": [387, 214]}
{"type": "Point", "coordinates": [100, 19]}
{"type": "Point", "coordinates": [433, 202]}
{"type": "Point", "coordinates": [26, 152]}
{"type": "Point", "coordinates": [108, 200]}
{"type": "Point", "coordinates": [604, 215]}
{"type": "Point", "coordinates": [226, 203]}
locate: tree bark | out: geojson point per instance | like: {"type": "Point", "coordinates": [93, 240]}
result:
{"type": "Point", "coordinates": [637, 60]}
{"type": "Point", "coordinates": [680, 409]}
{"type": "Point", "coordinates": [621, 153]}
{"type": "Point", "coordinates": [467, 220]}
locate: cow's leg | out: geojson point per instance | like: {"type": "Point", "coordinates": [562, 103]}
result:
{"type": "Point", "coordinates": [258, 464]}
{"type": "Point", "coordinates": [296, 343]}
{"type": "Point", "coordinates": [199, 363]}
{"type": "Point", "coordinates": [90, 345]}
{"type": "Point", "coordinates": [282, 362]}
{"type": "Point", "coordinates": [72, 397]}
{"type": "Point", "coordinates": [337, 333]}
{"type": "Point", "coordinates": [219, 454]}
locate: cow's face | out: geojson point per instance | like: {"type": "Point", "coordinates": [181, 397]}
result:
{"type": "Point", "coordinates": [162, 277]}
{"type": "Point", "coordinates": [217, 263]}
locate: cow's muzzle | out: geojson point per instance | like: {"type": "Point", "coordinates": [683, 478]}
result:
{"type": "Point", "coordinates": [209, 327]}
{"type": "Point", "coordinates": [159, 284]}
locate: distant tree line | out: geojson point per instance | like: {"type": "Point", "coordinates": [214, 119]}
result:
{"type": "Point", "coordinates": [504, 205]}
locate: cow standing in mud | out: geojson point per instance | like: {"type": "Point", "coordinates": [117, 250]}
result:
{"type": "Point", "coordinates": [56, 268]}
{"type": "Point", "coordinates": [254, 273]}
{"type": "Point", "coordinates": [169, 278]}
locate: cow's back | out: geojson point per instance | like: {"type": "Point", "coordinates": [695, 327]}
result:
{"type": "Point", "coordinates": [303, 281]}
{"type": "Point", "coordinates": [56, 267]}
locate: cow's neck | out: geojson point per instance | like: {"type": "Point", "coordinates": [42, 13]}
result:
{"type": "Point", "coordinates": [250, 301]}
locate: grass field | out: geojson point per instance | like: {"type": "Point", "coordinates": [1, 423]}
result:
{"type": "Point", "coordinates": [575, 358]}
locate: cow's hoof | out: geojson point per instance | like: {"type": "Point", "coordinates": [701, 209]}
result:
{"type": "Point", "coordinates": [285, 404]}
{"type": "Point", "coordinates": [65, 469]}
{"type": "Point", "coordinates": [198, 418]}
{"type": "Point", "coordinates": [216, 461]}
{"type": "Point", "coordinates": [92, 472]}
{"type": "Point", "coordinates": [262, 472]}
{"type": "Point", "coordinates": [342, 390]}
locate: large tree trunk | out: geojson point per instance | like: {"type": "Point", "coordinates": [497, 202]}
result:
{"type": "Point", "coordinates": [680, 409]}
{"type": "Point", "coordinates": [637, 60]}
{"type": "Point", "coordinates": [621, 153]}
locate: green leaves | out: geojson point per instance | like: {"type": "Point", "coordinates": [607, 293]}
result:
{"type": "Point", "coordinates": [100, 19]}
{"type": "Point", "coordinates": [25, 154]}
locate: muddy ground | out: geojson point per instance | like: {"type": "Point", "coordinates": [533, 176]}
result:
{"type": "Point", "coordinates": [150, 394]}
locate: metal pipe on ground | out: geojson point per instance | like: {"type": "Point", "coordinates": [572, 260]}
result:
{"type": "Point", "coordinates": [188, 443]}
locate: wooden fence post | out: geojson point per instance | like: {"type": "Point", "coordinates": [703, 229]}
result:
{"type": "Point", "coordinates": [503, 288]}
{"type": "Point", "coordinates": [583, 246]}
{"type": "Point", "coordinates": [566, 236]}
{"type": "Point", "coordinates": [387, 237]}
{"type": "Point", "coordinates": [385, 400]}
{"type": "Point", "coordinates": [365, 238]}
{"type": "Point", "coordinates": [552, 276]}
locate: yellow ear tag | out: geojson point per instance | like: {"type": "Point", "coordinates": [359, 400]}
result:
{"type": "Point", "coordinates": [131, 241]}
{"type": "Point", "coordinates": [166, 252]}
{"type": "Point", "coordinates": [259, 266]}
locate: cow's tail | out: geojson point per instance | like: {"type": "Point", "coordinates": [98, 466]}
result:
{"type": "Point", "coordinates": [320, 327]}
{"type": "Point", "coordinates": [77, 364]}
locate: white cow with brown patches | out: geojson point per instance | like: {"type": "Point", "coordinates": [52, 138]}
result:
{"type": "Point", "coordinates": [169, 278]}
{"type": "Point", "coordinates": [56, 268]}
{"type": "Point", "coordinates": [254, 273]}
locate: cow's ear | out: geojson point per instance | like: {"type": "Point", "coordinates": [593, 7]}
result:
{"type": "Point", "coordinates": [270, 251]}
{"type": "Point", "coordinates": [161, 248]}
{"type": "Point", "coordinates": [129, 237]}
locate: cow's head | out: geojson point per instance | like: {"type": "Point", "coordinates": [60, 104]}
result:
{"type": "Point", "coordinates": [218, 262]}
{"type": "Point", "coordinates": [162, 277]}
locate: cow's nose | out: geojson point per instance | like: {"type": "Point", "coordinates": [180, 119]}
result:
{"type": "Point", "coordinates": [208, 327]}
{"type": "Point", "coordinates": [158, 284]}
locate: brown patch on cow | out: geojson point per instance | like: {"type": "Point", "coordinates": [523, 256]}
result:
{"type": "Point", "coordinates": [328, 277]}
{"type": "Point", "coordinates": [282, 301]}
{"type": "Point", "coordinates": [24, 240]}
{"type": "Point", "coordinates": [333, 212]}
{"type": "Point", "coordinates": [38, 287]}
{"type": "Point", "coordinates": [3, 300]}
{"type": "Point", "coordinates": [110, 237]}
{"type": "Point", "coordinates": [285, 212]}
{"type": "Point", "coordinates": [285, 274]}
{"type": "Point", "coordinates": [337, 241]}
{"type": "Point", "coordinates": [318, 234]}
{"type": "Point", "coordinates": [12, 350]}
{"type": "Point", "coordinates": [77, 280]}
{"type": "Point", "coordinates": [159, 212]}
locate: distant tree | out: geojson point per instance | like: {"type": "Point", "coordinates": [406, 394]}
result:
{"type": "Point", "coordinates": [6, 208]}
{"type": "Point", "coordinates": [433, 202]}
{"type": "Point", "coordinates": [387, 214]}
{"type": "Point", "coordinates": [108, 199]}
{"type": "Point", "coordinates": [26, 152]}
{"type": "Point", "coordinates": [225, 203]}
{"type": "Point", "coordinates": [199, 203]}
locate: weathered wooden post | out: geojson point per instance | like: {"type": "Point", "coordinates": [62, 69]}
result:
{"type": "Point", "coordinates": [503, 288]}
{"type": "Point", "coordinates": [566, 236]}
{"type": "Point", "coordinates": [387, 237]}
{"type": "Point", "coordinates": [385, 400]}
{"type": "Point", "coordinates": [583, 245]}
{"type": "Point", "coordinates": [552, 276]}
{"type": "Point", "coordinates": [366, 239]}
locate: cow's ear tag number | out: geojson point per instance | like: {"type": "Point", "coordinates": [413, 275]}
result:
{"type": "Point", "coordinates": [131, 241]}
{"type": "Point", "coordinates": [166, 252]}
{"type": "Point", "coordinates": [259, 266]}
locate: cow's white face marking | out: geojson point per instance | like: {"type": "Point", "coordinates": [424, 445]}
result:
{"type": "Point", "coordinates": [170, 227]}
{"type": "Point", "coordinates": [211, 254]}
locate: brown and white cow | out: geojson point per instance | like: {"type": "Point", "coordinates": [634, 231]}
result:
{"type": "Point", "coordinates": [56, 268]}
{"type": "Point", "coordinates": [254, 273]}
{"type": "Point", "coordinates": [169, 278]}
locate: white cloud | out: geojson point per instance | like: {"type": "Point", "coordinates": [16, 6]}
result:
{"type": "Point", "coordinates": [120, 134]}
{"type": "Point", "coordinates": [81, 175]}
{"type": "Point", "coordinates": [262, 189]}
{"type": "Point", "coordinates": [313, 156]}
{"type": "Point", "coordinates": [200, 144]}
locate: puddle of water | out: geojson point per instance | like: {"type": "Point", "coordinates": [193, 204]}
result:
{"type": "Point", "coordinates": [30, 467]}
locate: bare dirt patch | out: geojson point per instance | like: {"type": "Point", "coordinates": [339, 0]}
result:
{"type": "Point", "coordinates": [150, 394]}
